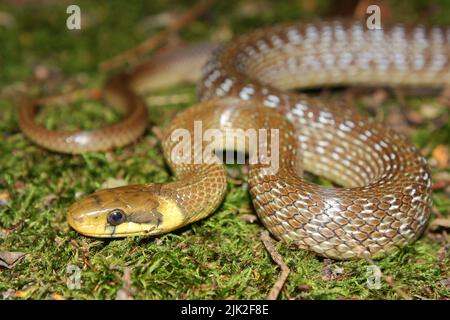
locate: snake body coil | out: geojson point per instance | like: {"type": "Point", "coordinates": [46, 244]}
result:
{"type": "Point", "coordinates": [384, 202]}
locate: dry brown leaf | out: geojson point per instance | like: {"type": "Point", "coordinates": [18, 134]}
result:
{"type": "Point", "coordinates": [10, 259]}
{"type": "Point", "coordinates": [440, 222]}
{"type": "Point", "coordinates": [445, 283]}
{"type": "Point", "coordinates": [48, 199]}
{"type": "Point", "coordinates": [376, 99]}
{"type": "Point", "coordinates": [249, 218]}
{"type": "Point", "coordinates": [11, 294]}
{"type": "Point", "coordinates": [441, 155]}
{"type": "Point", "coordinates": [304, 288]}
{"type": "Point", "coordinates": [19, 184]}
{"type": "Point", "coordinates": [441, 184]}
{"type": "Point", "coordinates": [41, 72]}
{"type": "Point", "coordinates": [6, 19]}
{"type": "Point", "coordinates": [331, 271]}
{"type": "Point", "coordinates": [398, 121]}
{"type": "Point", "coordinates": [56, 296]}
{"type": "Point", "coordinates": [5, 198]}
{"type": "Point", "coordinates": [414, 117]}
{"type": "Point", "coordinates": [158, 132]}
{"type": "Point", "coordinates": [253, 8]}
{"type": "Point", "coordinates": [430, 110]}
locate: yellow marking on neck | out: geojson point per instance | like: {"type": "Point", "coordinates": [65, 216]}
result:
{"type": "Point", "coordinates": [173, 217]}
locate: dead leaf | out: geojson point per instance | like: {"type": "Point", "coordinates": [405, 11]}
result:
{"type": "Point", "coordinates": [430, 110]}
{"type": "Point", "coordinates": [253, 8]}
{"type": "Point", "coordinates": [413, 117]}
{"type": "Point", "coordinates": [10, 293]}
{"type": "Point", "coordinates": [41, 72]}
{"type": "Point", "coordinates": [6, 231]}
{"type": "Point", "coordinates": [445, 283]}
{"type": "Point", "coordinates": [440, 222]}
{"type": "Point", "coordinates": [249, 218]}
{"type": "Point", "coordinates": [331, 271]}
{"type": "Point", "coordinates": [48, 199]}
{"type": "Point", "coordinates": [158, 132]}
{"type": "Point", "coordinates": [10, 259]}
{"type": "Point", "coordinates": [441, 180]}
{"type": "Point", "coordinates": [26, 293]}
{"type": "Point", "coordinates": [6, 19]}
{"type": "Point", "coordinates": [441, 155]}
{"type": "Point", "coordinates": [375, 100]}
{"type": "Point", "coordinates": [304, 288]}
{"type": "Point", "coordinates": [439, 185]}
{"type": "Point", "coordinates": [5, 198]}
{"type": "Point", "coordinates": [56, 296]}
{"type": "Point", "coordinates": [397, 120]}
{"type": "Point", "coordinates": [19, 184]}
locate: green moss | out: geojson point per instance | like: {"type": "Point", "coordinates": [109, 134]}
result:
{"type": "Point", "coordinates": [219, 257]}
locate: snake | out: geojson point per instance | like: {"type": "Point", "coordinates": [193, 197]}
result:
{"type": "Point", "coordinates": [381, 197]}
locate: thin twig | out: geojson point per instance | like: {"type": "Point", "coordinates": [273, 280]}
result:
{"type": "Point", "coordinates": [126, 292]}
{"type": "Point", "coordinates": [275, 291]}
{"type": "Point", "coordinates": [158, 39]}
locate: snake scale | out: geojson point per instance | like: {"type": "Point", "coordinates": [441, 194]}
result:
{"type": "Point", "coordinates": [383, 201]}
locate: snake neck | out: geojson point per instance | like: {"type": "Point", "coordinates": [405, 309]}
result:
{"type": "Point", "coordinates": [198, 191]}
{"type": "Point", "coordinates": [227, 124]}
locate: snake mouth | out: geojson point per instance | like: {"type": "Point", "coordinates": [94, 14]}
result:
{"type": "Point", "coordinates": [91, 227]}
{"type": "Point", "coordinates": [128, 229]}
{"type": "Point", "coordinates": [141, 214]}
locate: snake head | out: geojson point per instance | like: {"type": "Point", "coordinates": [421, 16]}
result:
{"type": "Point", "coordinates": [125, 211]}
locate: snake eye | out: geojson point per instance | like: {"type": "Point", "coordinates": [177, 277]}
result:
{"type": "Point", "coordinates": [116, 217]}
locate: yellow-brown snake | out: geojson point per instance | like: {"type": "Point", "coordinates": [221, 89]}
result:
{"type": "Point", "coordinates": [384, 202]}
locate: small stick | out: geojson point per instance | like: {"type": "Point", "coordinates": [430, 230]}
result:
{"type": "Point", "coordinates": [125, 293]}
{"type": "Point", "coordinates": [275, 291]}
{"type": "Point", "coordinates": [157, 39]}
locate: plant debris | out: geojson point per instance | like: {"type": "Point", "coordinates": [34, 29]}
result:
{"type": "Point", "coordinates": [10, 259]}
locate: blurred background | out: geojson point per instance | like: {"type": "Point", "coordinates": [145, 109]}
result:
{"type": "Point", "coordinates": [34, 31]}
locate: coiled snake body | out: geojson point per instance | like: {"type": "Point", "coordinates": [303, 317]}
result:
{"type": "Point", "coordinates": [384, 202]}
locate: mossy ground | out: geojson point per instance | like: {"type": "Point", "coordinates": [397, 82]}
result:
{"type": "Point", "coordinates": [219, 257]}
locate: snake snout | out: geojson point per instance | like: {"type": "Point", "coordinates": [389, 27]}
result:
{"type": "Point", "coordinates": [88, 218]}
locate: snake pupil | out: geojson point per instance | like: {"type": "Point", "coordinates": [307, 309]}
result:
{"type": "Point", "coordinates": [116, 217]}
